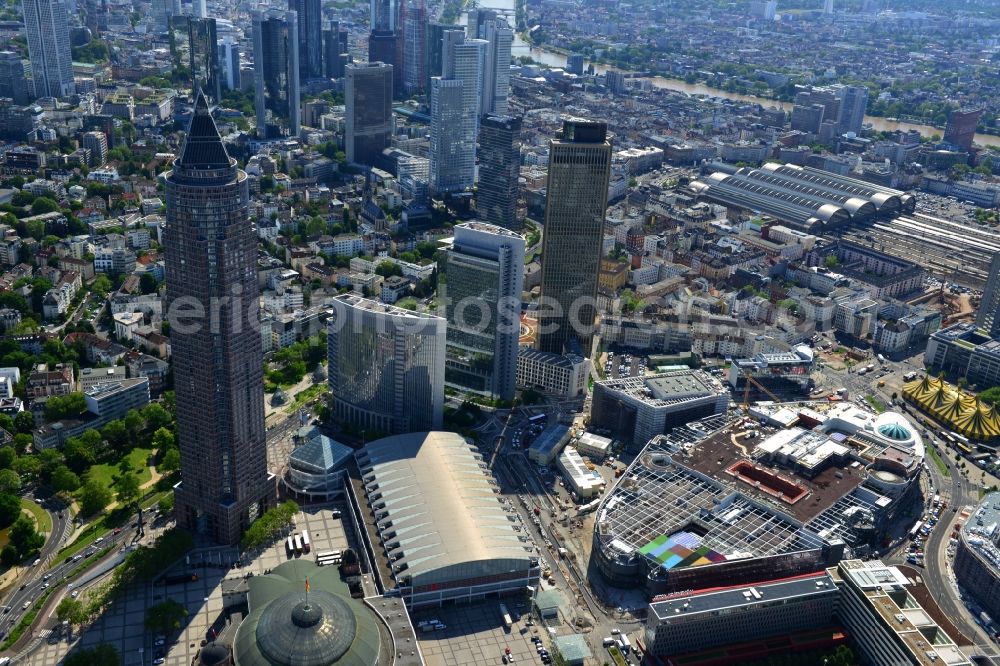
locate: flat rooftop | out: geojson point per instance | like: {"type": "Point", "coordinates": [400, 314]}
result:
{"type": "Point", "coordinates": [986, 519]}
{"type": "Point", "coordinates": [716, 599]}
{"type": "Point", "coordinates": [722, 450]}
{"type": "Point", "coordinates": [379, 307]}
{"type": "Point", "coordinates": [667, 388]}
{"type": "Point", "coordinates": [677, 516]}
{"type": "Point", "coordinates": [883, 588]}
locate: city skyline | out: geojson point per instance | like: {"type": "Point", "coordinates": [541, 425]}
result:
{"type": "Point", "coordinates": [402, 333]}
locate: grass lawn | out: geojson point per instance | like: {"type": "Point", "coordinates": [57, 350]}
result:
{"type": "Point", "coordinates": [42, 520]}
{"type": "Point", "coordinates": [937, 460]}
{"type": "Point", "coordinates": [104, 474]}
{"type": "Point", "coordinates": [875, 403]}
{"type": "Point", "coordinates": [314, 391]}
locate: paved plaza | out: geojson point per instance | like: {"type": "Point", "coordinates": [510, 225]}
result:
{"type": "Point", "coordinates": [123, 624]}
{"type": "Point", "coordinates": [475, 635]}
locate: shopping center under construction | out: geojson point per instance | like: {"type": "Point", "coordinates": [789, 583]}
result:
{"type": "Point", "coordinates": [779, 490]}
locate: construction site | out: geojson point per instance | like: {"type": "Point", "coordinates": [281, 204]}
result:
{"type": "Point", "coordinates": [777, 489]}
{"type": "Point", "coordinates": [955, 307]}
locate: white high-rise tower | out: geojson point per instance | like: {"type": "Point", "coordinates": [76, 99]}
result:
{"type": "Point", "coordinates": [455, 109]}
{"type": "Point", "coordinates": [496, 78]}
{"type": "Point", "coordinates": [47, 25]}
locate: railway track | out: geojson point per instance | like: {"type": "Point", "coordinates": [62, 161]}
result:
{"type": "Point", "coordinates": [951, 250]}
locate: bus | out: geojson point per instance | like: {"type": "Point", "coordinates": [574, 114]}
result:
{"type": "Point", "coordinates": [328, 558]}
{"type": "Point", "coordinates": [298, 544]}
{"type": "Point", "coordinates": [915, 530]}
{"type": "Point", "coordinates": [964, 448]}
{"type": "Point", "coordinates": [506, 616]}
{"type": "Point", "coordinates": [305, 541]}
{"type": "Point", "coordinates": [178, 579]}
{"type": "Point", "coordinates": [290, 545]}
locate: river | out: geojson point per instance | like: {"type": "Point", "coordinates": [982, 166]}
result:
{"type": "Point", "coordinates": [556, 59]}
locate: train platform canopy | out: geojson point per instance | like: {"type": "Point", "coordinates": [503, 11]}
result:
{"type": "Point", "coordinates": [963, 412]}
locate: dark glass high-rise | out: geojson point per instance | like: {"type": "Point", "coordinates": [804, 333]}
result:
{"type": "Point", "coordinates": [212, 300]}
{"type": "Point", "coordinates": [575, 202]}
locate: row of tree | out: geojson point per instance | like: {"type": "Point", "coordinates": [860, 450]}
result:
{"type": "Point", "coordinates": [268, 526]}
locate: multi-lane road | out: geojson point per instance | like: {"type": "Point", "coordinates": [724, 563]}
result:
{"type": "Point", "coordinates": [29, 581]}
{"type": "Point", "coordinates": [955, 490]}
{"type": "Point", "coordinates": [38, 578]}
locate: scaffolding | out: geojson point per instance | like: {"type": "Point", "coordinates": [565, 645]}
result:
{"type": "Point", "coordinates": [660, 497]}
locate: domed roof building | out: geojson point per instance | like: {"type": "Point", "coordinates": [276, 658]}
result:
{"type": "Point", "coordinates": [215, 654]}
{"type": "Point", "coordinates": [293, 622]}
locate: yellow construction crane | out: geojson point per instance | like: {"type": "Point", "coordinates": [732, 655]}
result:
{"type": "Point", "coordinates": [746, 389]}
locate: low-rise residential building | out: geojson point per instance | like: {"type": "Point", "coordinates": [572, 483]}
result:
{"type": "Point", "coordinates": [57, 300]}
{"type": "Point", "coordinates": [344, 245]}
{"type": "Point", "coordinates": [91, 377]}
{"type": "Point", "coordinates": [114, 260]}
{"type": "Point", "coordinates": [126, 324]}
{"type": "Point", "coordinates": [394, 288]}
{"type": "Point", "coordinates": [9, 378]}
{"type": "Point", "coordinates": [43, 382]}
{"type": "Point", "coordinates": [155, 370]}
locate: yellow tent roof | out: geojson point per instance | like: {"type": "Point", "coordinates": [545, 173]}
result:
{"type": "Point", "coordinates": [954, 408]}
{"type": "Point", "coordinates": [962, 412]}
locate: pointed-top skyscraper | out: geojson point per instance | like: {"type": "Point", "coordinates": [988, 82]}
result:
{"type": "Point", "coordinates": [212, 294]}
